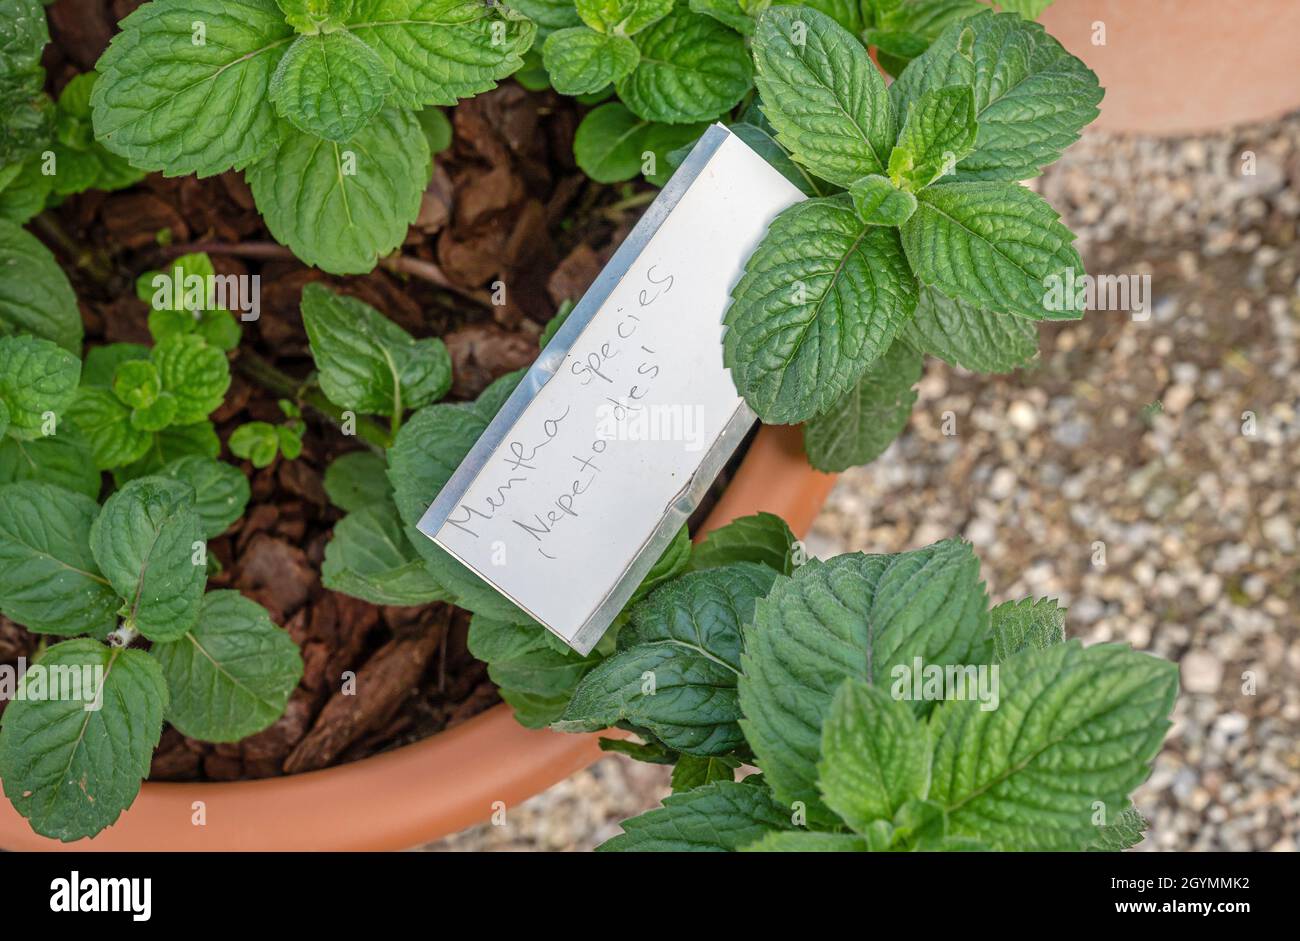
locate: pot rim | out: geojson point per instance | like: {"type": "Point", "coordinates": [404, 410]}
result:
{"type": "Point", "coordinates": [428, 789]}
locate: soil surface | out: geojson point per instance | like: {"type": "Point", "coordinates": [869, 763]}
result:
{"type": "Point", "coordinates": [506, 204]}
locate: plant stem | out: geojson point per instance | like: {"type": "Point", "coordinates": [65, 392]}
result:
{"type": "Point", "coordinates": [92, 261]}
{"type": "Point", "coordinates": [268, 377]}
{"type": "Point", "coordinates": [635, 201]}
{"type": "Point", "coordinates": [262, 250]}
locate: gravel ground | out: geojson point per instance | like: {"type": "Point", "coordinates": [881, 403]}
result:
{"type": "Point", "coordinates": [1143, 471]}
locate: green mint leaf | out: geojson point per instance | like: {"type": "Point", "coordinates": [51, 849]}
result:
{"type": "Point", "coordinates": [26, 125]}
{"type": "Point", "coordinates": [63, 459]}
{"type": "Point", "coordinates": [860, 426]}
{"type": "Point", "coordinates": [144, 540]}
{"type": "Point", "coordinates": [1125, 832]}
{"type": "Point", "coordinates": [720, 817]}
{"type": "Point", "coordinates": [101, 362]}
{"type": "Point", "coordinates": [329, 85]}
{"type": "Point", "coordinates": [106, 422]}
{"type": "Point", "coordinates": [895, 49]}
{"type": "Point", "coordinates": [174, 441]}
{"type": "Point", "coordinates": [692, 69]}
{"type": "Point", "coordinates": [428, 449]}
{"type": "Point", "coordinates": [926, 19]}
{"type": "Point", "coordinates": [919, 825]}
{"type": "Point", "coordinates": [555, 323]}
{"type": "Point", "coordinates": [622, 17]}
{"type": "Point", "coordinates": [1028, 624]}
{"type": "Point", "coordinates": [1029, 9]}
{"type": "Point", "coordinates": [822, 94]}
{"type": "Point", "coordinates": [439, 51]}
{"type": "Point", "coordinates": [677, 662]}
{"type": "Point", "coordinates": [968, 336]}
{"type": "Point", "coordinates": [650, 753]}
{"type": "Point", "coordinates": [341, 206]}
{"type": "Point", "coordinates": [256, 442]}
{"type": "Point", "coordinates": [35, 296]}
{"type": "Point", "coordinates": [726, 12]}
{"type": "Point", "coordinates": [220, 491]}
{"type": "Point", "coordinates": [879, 202]}
{"type": "Point", "coordinates": [875, 755]}
{"type": "Point", "coordinates": [1032, 98]}
{"type": "Point", "coordinates": [533, 712]}
{"type": "Point", "coordinates": [1075, 729]}
{"type": "Point", "coordinates": [854, 616]}
{"type": "Point", "coordinates": [530, 665]}
{"type": "Point", "coordinates": [763, 538]}
{"type": "Point", "coordinates": [290, 439]}
{"type": "Point", "coordinates": [549, 15]}
{"type": "Point", "coordinates": [157, 415]}
{"type": "Point", "coordinates": [49, 581]}
{"type": "Point", "coordinates": [692, 771]}
{"type": "Point", "coordinates": [581, 60]}
{"type": "Point", "coordinates": [665, 146]}
{"type": "Point", "coordinates": [183, 86]}
{"type": "Point", "coordinates": [38, 380]}
{"type": "Point", "coordinates": [190, 308]}
{"type": "Point", "coordinates": [197, 374]}
{"type": "Point", "coordinates": [607, 145]}
{"type": "Point", "coordinates": [72, 771]}
{"type": "Point", "coordinates": [848, 13]}
{"type": "Point", "coordinates": [370, 557]}
{"type": "Point", "coordinates": [762, 141]}
{"type": "Point", "coordinates": [998, 246]}
{"type": "Point", "coordinates": [231, 674]}
{"type": "Point", "coordinates": [821, 299]}
{"type": "Point", "coordinates": [612, 145]}
{"type": "Point", "coordinates": [357, 479]}
{"type": "Point", "coordinates": [437, 128]}
{"type": "Point", "coordinates": [310, 16]}
{"type": "Point", "coordinates": [23, 36]}
{"type": "Point", "coordinates": [367, 362]}
{"type": "Point", "coordinates": [24, 196]}
{"type": "Point", "coordinates": [136, 383]}
{"type": "Point", "coordinates": [938, 132]}
{"type": "Point", "coordinates": [671, 563]}
{"type": "Point", "coordinates": [82, 162]}
{"type": "Point", "coordinates": [802, 841]}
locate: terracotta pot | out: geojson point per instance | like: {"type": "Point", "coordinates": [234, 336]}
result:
{"type": "Point", "coordinates": [426, 790]}
{"type": "Point", "coordinates": [1176, 66]}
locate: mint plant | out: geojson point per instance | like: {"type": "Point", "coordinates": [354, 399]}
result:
{"type": "Point", "coordinates": [80, 732]}
{"type": "Point", "coordinates": [28, 120]}
{"type": "Point", "coordinates": [47, 149]}
{"type": "Point", "coordinates": [260, 441]}
{"type": "Point", "coordinates": [142, 407]}
{"type": "Point", "coordinates": [316, 100]}
{"type": "Point", "coordinates": [916, 238]}
{"type": "Point", "coordinates": [932, 247]}
{"type": "Point", "coordinates": [805, 671]}
{"type": "Point", "coordinates": [677, 66]}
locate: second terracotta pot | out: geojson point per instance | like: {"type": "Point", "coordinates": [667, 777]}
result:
{"type": "Point", "coordinates": [1183, 66]}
